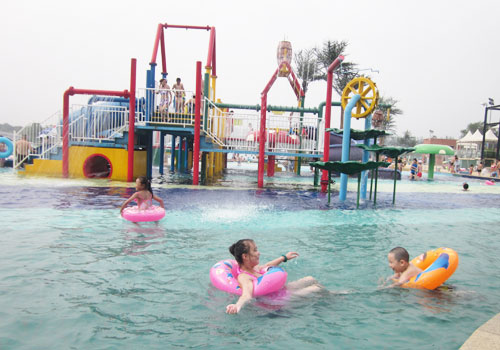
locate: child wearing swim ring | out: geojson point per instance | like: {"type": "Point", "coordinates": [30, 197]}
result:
{"type": "Point", "coordinates": [399, 262]}
{"type": "Point", "coordinates": [144, 195]}
{"type": "Point", "coordinates": [247, 255]}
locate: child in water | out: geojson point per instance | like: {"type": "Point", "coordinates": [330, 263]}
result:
{"type": "Point", "coordinates": [144, 195]}
{"type": "Point", "coordinates": [465, 186]}
{"type": "Point", "coordinates": [399, 262]}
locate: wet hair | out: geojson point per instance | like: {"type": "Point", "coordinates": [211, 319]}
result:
{"type": "Point", "coordinates": [178, 79]}
{"type": "Point", "coordinates": [239, 248]}
{"type": "Point", "coordinates": [466, 186]}
{"type": "Point", "coordinates": [145, 181]}
{"type": "Point", "coordinates": [400, 254]}
{"type": "Point", "coordinates": [162, 80]}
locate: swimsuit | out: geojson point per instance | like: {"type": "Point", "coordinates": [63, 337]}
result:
{"type": "Point", "coordinates": [144, 204]}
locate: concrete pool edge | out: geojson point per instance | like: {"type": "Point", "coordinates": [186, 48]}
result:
{"type": "Point", "coordinates": [485, 337]}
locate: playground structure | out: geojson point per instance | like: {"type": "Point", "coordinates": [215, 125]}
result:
{"type": "Point", "coordinates": [116, 134]}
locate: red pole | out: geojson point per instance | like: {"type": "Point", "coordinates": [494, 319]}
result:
{"type": "Point", "coordinates": [159, 30]}
{"type": "Point", "coordinates": [70, 92]}
{"type": "Point", "coordinates": [262, 140]}
{"type": "Point", "coordinates": [328, 113]}
{"type": "Point", "coordinates": [131, 122]}
{"type": "Point", "coordinates": [65, 132]}
{"type": "Point", "coordinates": [211, 45]}
{"type": "Point", "coordinates": [163, 54]}
{"type": "Point", "coordinates": [197, 122]}
{"type": "Point", "coordinates": [185, 27]}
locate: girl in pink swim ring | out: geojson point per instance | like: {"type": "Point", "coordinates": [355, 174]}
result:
{"type": "Point", "coordinates": [144, 198]}
{"type": "Point", "coordinates": [250, 275]}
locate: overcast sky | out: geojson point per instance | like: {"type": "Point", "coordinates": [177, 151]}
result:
{"type": "Point", "coordinates": [439, 59]}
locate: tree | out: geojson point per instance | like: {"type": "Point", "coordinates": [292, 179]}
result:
{"type": "Point", "coordinates": [344, 73]}
{"type": "Point", "coordinates": [306, 66]}
{"type": "Point", "coordinates": [388, 124]}
{"type": "Point", "coordinates": [407, 140]}
{"type": "Point", "coordinates": [472, 127]}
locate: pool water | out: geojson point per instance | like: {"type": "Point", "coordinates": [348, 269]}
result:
{"type": "Point", "coordinates": [74, 275]}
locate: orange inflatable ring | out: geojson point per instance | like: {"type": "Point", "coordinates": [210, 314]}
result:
{"type": "Point", "coordinates": [437, 265]}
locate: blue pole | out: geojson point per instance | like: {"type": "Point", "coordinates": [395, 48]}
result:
{"type": "Point", "coordinates": [172, 155]}
{"type": "Point", "coordinates": [150, 84]}
{"type": "Point", "coordinates": [186, 156]}
{"type": "Point", "coordinates": [162, 150]}
{"type": "Point", "coordinates": [149, 156]}
{"type": "Point", "coordinates": [366, 156]}
{"type": "Point", "coordinates": [346, 143]}
{"type": "Point", "coordinates": [179, 155]}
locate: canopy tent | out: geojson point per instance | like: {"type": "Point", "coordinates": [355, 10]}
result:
{"type": "Point", "coordinates": [466, 139]}
{"type": "Point", "coordinates": [490, 136]}
{"type": "Point", "coordinates": [477, 137]}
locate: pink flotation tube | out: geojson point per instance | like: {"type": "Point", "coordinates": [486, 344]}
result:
{"type": "Point", "coordinates": [224, 276]}
{"type": "Point", "coordinates": [489, 182]}
{"type": "Point", "coordinates": [134, 214]}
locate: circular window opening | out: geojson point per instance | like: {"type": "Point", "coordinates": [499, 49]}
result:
{"type": "Point", "coordinates": [97, 166]}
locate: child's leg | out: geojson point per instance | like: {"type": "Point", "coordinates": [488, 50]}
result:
{"type": "Point", "coordinates": [315, 288]}
{"type": "Point", "coordinates": [302, 283]}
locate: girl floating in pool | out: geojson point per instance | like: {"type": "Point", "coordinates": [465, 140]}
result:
{"type": "Point", "coordinates": [144, 195]}
{"type": "Point", "coordinates": [247, 255]}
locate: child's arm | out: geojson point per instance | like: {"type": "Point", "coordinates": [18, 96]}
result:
{"type": "Point", "coordinates": [246, 295]}
{"type": "Point", "coordinates": [159, 200]}
{"type": "Point", "coordinates": [134, 196]}
{"type": "Point", "coordinates": [277, 261]}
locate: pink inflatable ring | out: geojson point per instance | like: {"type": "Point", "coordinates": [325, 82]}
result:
{"type": "Point", "coordinates": [224, 274]}
{"type": "Point", "coordinates": [134, 214]}
{"type": "Point", "coordinates": [489, 182]}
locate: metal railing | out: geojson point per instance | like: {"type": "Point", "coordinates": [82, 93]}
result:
{"type": "Point", "coordinates": [285, 133]}
{"type": "Point", "coordinates": [97, 122]}
{"type": "Point", "coordinates": [165, 107]}
{"type": "Point", "coordinates": [38, 140]}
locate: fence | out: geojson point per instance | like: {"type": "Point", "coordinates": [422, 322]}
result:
{"type": "Point", "coordinates": [165, 107]}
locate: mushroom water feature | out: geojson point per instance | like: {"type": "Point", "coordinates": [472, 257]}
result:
{"type": "Point", "coordinates": [432, 150]}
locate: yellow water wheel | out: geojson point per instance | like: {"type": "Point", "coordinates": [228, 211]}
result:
{"type": "Point", "coordinates": [369, 96]}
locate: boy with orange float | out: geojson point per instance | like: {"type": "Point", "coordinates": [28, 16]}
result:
{"type": "Point", "coordinates": [399, 262]}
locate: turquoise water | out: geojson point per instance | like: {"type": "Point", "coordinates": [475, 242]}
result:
{"type": "Point", "coordinates": [73, 274]}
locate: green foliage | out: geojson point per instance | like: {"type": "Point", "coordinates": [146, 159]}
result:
{"type": "Point", "coordinates": [407, 140]}
{"type": "Point", "coordinates": [306, 67]}
{"type": "Point", "coordinates": [343, 74]}
{"type": "Point", "coordinates": [472, 127]}
{"type": "Point", "coordinates": [389, 124]}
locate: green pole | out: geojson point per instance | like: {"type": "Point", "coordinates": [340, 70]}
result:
{"type": "Point", "coordinates": [376, 181]}
{"type": "Point", "coordinates": [316, 176]}
{"type": "Point", "coordinates": [329, 181]}
{"type": "Point", "coordinates": [430, 171]}
{"type": "Point", "coordinates": [395, 178]}
{"type": "Point", "coordinates": [299, 159]}
{"type": "Point", "coordinates": [373, 172]}
{"type": "Point", "coordinates": [359, 184]}
{"type": "Point", "coordinates": [205, 94]}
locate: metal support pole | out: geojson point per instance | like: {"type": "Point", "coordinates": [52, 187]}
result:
{"type": "Point", "coordinates": [346, 144]}
{"type": "Point", "coordinates": [162, 151]}
{"type": "Point", "coordinates": [172, 154]}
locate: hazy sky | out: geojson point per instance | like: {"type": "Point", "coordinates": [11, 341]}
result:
{"type": "Point", "coordinates": [440, 59]}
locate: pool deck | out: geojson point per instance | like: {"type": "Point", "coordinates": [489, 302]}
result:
{"type": "Point", "coordinates": [485, 337]}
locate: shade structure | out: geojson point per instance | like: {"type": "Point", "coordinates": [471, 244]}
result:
{"type": "Point", "coordinates": [432, 150]}
{"type": "Point", "coordinates": [349, 168]}
{"type": "Point", "coordinates": [361, 134]}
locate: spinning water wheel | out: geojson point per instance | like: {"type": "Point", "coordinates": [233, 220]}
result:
{"type": "Point", "coordinates": [369, 96]}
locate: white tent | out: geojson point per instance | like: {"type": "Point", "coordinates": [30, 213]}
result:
{"type": "Point", "coordinates": [490, 136]}
{"type": "Point", "coordinates": [476, 137]}
{"type": "Point", "coordinates": [466, 139]}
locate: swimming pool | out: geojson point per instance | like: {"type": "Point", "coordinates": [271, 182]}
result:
{"type": "Point", "coordinates": [73, 274]}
